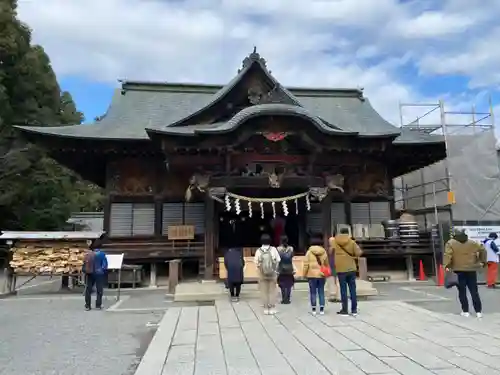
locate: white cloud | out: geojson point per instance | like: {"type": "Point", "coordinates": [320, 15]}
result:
{"type": "Point", "coordinates": [434, 24]}
{"type": "Point", "coordinates": [327, 43]}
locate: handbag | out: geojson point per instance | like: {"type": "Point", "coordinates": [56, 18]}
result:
{"type": "Point", "coordinates": [324, 270]}
{"type": "Point", "coordinates": [450, 279]}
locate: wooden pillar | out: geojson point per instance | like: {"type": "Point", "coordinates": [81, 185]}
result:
{"type": "Point", "coordinates": [392, 196]}
{"type": "Point", "coordinates": [160, 172]}
{"type": "Point", "coordinates": [209, 238]}
{"type": "Point", "coordinates": [347, 206]}
{"type": "Point", "coordinates": [107, 215]}
{"type": "Point", "coordinates": [158, 217]}
{"type": "Point", "coordinates": [326, 214]}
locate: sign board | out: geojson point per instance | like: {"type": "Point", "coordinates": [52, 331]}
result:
{"type": "Point", "coordinates": [180, 232]}
{"type": "Point", "coordinates": [115, 261]}
{"type": "Point", "coordinates": [479, 233]}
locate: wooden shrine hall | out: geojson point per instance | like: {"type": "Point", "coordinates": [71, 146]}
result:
{"type": "Point", "coordinates": [192, 169]}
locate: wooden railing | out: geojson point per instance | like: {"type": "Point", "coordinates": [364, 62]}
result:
{"type": "Point", "coordinates": [156, 249]}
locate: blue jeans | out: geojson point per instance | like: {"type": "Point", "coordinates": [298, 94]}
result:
{"type": "Point", "coordinates": [348, 280]}
{"type": "Point", "coordinates": [317, 290]}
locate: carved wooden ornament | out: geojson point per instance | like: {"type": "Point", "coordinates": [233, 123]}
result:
{"type": "Point", "coordinates": [275, 137]}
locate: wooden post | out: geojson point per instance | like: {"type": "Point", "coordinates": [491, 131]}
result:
{"type": "Point", "coordinates": [107, 214]}
{"type": "Point", "coordinates": [152, 276]}
{"type": "Point", "coordinates": [326, 211]}
{"type": "Point", "coordinates": [209, 238]}
{"type": "Point", "coordinates": [173, 275]}
{"type": "Point", "coordinates": [8, 277]}
{"type": "Point", "coordinates": [64, 282]}
{"type": "Point", "coordinates": [409, 268]}
{"type": "Point", "coordinates": [363, 268]}
{"type": "Point", "coordinates": [158, 217]}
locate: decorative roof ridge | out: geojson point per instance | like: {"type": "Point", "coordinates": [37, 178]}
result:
{"type": "Point", "coordinates": [139, 85]}
{"type": "Point", "coordinates": [248, 62]}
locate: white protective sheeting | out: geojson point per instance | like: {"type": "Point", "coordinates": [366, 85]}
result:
{"type": "Point", "coordinates": [474, 174]}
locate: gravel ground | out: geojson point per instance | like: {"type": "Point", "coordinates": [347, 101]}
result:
{"type": "Point", "coordinates": [42, 336]}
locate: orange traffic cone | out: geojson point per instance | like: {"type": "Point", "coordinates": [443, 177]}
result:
{"type": "Point", "coordinates": [421, 273]}
{"type": "Point", "coordinates": [441, 275]}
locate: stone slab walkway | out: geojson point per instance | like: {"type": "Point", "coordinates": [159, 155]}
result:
{"type": "Point", "coordinates": [386, 338]}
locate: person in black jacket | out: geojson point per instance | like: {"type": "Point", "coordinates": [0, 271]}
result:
{"type": "Point", "coordinates": [286, 270]}
{"type": "Point", "coordinates": [234, 263]}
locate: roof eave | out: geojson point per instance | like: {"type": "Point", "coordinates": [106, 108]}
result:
{"type": "Point", "coordinates": [33, 131]}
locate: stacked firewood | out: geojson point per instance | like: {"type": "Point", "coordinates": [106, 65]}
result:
{"type": "Point", "coordinates": [48, 257]}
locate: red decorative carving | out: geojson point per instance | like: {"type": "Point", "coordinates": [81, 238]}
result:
{"type": "Point", "coordinates": [275, 137]}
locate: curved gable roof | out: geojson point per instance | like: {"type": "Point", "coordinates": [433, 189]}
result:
{"type": "Point", "coordinates": [251, 112]}
{"type": "Point", "coordinates": [253, 59]}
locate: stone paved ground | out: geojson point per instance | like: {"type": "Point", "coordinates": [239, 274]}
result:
{"type": "Point", "coordinates": [388, 337]}
{"type": "Point", "coordinates": [51, 334]}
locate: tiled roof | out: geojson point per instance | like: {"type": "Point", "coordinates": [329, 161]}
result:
{"type": "Point", "coordinates": [160, 107]}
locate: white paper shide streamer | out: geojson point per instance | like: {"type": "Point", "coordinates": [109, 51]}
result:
{"type": "Point", "coordinates": [262, 210]}
{"type": "Point", "coordinates": [237, 206]}
{"type": "Point", "coordinates": [308, 203]}
{"type": "Point", "coordinates": [249, 209]}
{"type": "Point", "coordinates": [285, 208]}
{"type": "Point", "coordinates": [296, 206]}
{"type": "Point", "coordinates": [274, 209]}
{"type": "Point", "coordinates": [228, 203]}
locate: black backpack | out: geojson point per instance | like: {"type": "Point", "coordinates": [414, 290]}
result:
{"type": "Point", "coordinates": [286, 263]}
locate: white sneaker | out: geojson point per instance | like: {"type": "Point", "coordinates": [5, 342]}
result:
{"type": "Point", "coordinates": [321, 312]}
{"type": "Point", "coordinates": [465, 314]}
{"type": "Point", "coordinates": [266, 311]}
{"type": "Point", "coordinates": [313, 312]}
{"type": "Point", "coordinates": [479, 315]}
{"type": "Point", "coordinates": [272, 311]}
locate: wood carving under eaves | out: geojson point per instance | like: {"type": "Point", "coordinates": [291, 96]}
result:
{"type": "Point", "coordinates": [335, 182]}
{"type": "Point", "coordinates": [256, 95]}
{"type": "Point", "coordinates": [275, 180]}
{"type": "Point", "coordinates": [369, 184]}
{"type": "Point", "coordinates": [332, 182]}
{"type": "Point", "coordinates": [199, 182]}
{"type": "Point", "coordinates": [131, 178]}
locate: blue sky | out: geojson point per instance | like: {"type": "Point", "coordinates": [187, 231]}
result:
{"type": "Point", "coordinates": [399, 51]}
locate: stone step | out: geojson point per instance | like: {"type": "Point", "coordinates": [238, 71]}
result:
{"type": "Point", "coordinates": [207, 291]}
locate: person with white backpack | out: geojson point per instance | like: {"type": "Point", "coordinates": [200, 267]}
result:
{"type": "Point", "coordinates": [267, 259]}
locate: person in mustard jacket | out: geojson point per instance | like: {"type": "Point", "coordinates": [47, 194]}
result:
{"type": "Point", "coordinates": [314, 259]}
{"type": "Point", "coordinates": [465, 257]}
{"type": "Point", "coordinates": [346, 252]}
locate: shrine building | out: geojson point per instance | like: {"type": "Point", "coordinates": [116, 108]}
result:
{"type": "Point", "coordinates": [192, 169]}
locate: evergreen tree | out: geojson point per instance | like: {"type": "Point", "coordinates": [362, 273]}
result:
{"type": "Point", "coordinates": [36, 193]}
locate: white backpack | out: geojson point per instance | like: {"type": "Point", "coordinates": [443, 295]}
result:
{"type": "Point", "coordinates": [267, 264]}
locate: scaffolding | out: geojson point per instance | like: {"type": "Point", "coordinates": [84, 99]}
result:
{"type": "Point", "coordinates": [464, 188]}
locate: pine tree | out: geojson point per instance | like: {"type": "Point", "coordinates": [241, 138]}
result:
{"type": "Point", "coordinates": [36, 193]}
